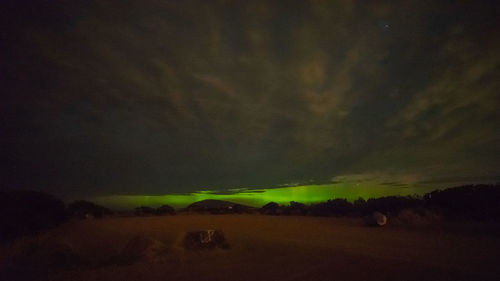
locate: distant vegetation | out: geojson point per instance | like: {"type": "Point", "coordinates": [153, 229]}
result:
{"type": "Point", "coordinates": [148, 211]}
{"type": "Point", "coordinates": [478, 202]}
{"type": "Point", "coordinates": [472, 202]}
{"type": "Point", "coordinates": [29, 212]}
{"type": "Point", "coordinates": [84, 210]}
{"type": "Point", "coordinates": [165, 210]}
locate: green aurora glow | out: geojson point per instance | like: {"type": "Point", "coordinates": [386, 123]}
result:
{"type": "Point", "coordinates": [257, 197]}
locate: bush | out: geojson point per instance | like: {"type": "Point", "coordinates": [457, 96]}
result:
{"type": "Point", "coordinates": [297, 208]}
{"type": "Point", "coordinates": [335, 207]}
{"type": "Point", "coordinates": [165, 210]}
{"type": "Point", "coordinates": [478, 202]}
{"type": "Point", "coordinates": [270, 208]}
{"type": "Point", "coordinates": [391, 205]}
{"type": "Point", "coordinates": [84, 209]}
{"type": "Point", "coordinates": [144, 211]}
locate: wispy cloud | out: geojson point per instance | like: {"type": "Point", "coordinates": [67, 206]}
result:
{"type": "Point", "coordinates": [168, 96]}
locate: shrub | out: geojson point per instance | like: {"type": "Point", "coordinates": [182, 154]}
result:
{"type": "Point", "coordinates": [391, 205]}
{"type": "Point", "coordinates": [144, 211]}
{"type": "Point", "coordinates": [165, 210]}
{"type": "Point", "coordinates": [297, 208]}
{"type": "Point", "coordinates": [479, 202]}
{"type": "Point", "coordinates": [270, 208]}
{"type": "Point", "coordinates": [335, 207]}
{"type": "Point", "coordinates": [83, 209]}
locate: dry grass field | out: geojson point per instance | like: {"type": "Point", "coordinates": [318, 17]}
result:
{"type": "Point", "coordinates": [262, 248]}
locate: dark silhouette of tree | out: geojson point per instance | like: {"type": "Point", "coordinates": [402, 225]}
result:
{"type": "Point", "coordinates": [391, 205]}
{"type": "Point", "coordinates": [270, 208]}
{"type": "Point", "coordinates": [478, 202]}
{"type": "Point", "coordinates": [84, 209]}
{"type": "Point", "coordinates": [144, 211]}
{"type": "Point", "coordinates": [240, 209]}
{"type": "Point", "coordinates": [165, 210]}
{"type": "Point", "coordinates": [297, 208]}
{"type": "Point", "coordinates": [359, 206]}
{"type": "Point", "coordinates": [334, 207]}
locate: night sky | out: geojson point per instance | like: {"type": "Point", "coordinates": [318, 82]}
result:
{"type": "Point", "coordinates": [159, 97]}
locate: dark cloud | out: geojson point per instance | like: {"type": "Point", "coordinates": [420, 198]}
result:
{"type": "Point", "coordinates": [174, 96]}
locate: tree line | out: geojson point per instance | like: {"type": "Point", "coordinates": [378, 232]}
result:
{"type": "Point", "coordinates": [29, 212]}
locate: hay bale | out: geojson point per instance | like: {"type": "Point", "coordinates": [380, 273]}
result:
{"type": "Point", "coordinates": [142, 248]}
{"type": "Point", "coordinates": [205, 239]}
{"type": "Point", "coordinates": [376, 219]}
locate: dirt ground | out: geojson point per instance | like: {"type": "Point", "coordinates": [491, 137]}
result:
{"type": "Point", "coordinates": [262, 248]}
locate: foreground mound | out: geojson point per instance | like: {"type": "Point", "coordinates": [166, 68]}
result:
{"type": "Point", "coordinates": [142, 248]}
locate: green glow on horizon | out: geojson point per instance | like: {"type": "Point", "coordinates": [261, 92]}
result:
{"type": "Point", "coordinates": [257, 197]}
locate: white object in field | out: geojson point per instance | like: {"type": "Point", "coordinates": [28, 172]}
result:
{"type": "Point", "coordinates": [380, 218]}
{"type": "Point", "coordinates": [376, 219]}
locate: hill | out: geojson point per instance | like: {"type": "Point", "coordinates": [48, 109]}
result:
{"type": "Point", "coordinates": [218, 206]}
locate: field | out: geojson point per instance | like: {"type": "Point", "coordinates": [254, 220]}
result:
{"type": "Point", "coordinates": [262, 248]}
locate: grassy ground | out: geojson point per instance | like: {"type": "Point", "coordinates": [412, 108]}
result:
{"type": "Point", "coordinates": [262, 248]}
